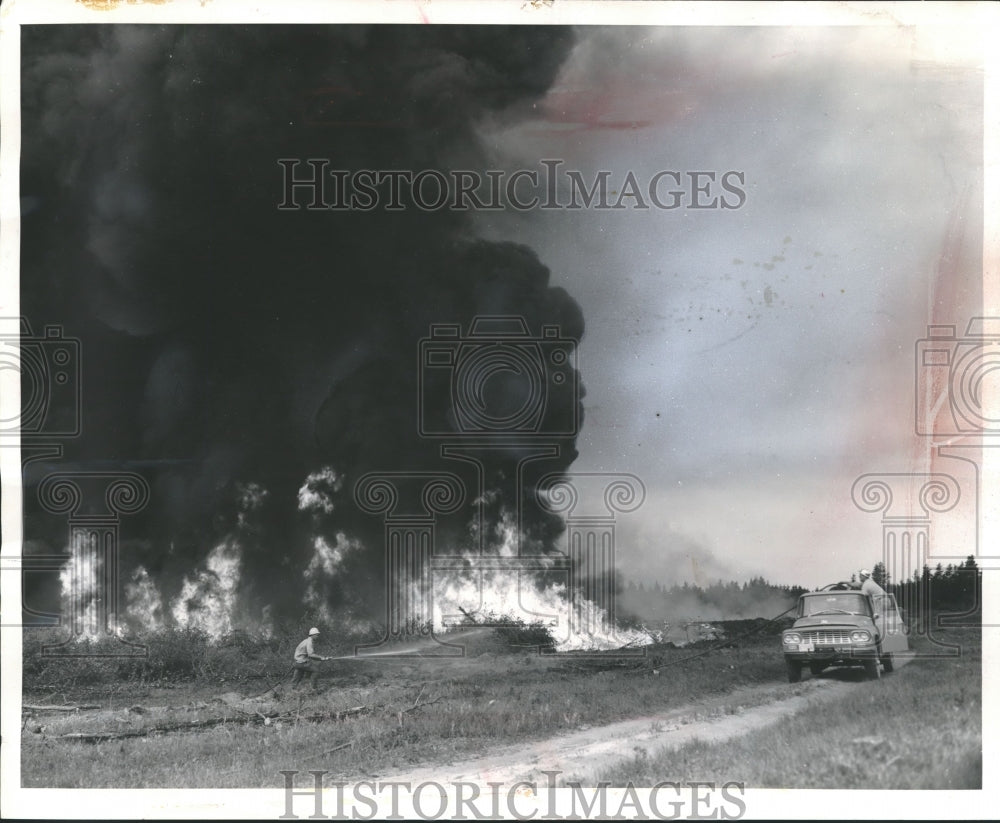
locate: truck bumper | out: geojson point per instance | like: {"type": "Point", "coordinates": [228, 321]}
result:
{"type": "Point", "coordinates": [855, 653]}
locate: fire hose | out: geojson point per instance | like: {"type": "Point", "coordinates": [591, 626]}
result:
{"type": "Point", "coordinates": [716, 646]}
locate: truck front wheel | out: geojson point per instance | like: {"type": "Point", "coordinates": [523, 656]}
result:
{"type": "Point", "coordinates": [872, 669]}
{"type": "Point", "coordinates": [794, 671]}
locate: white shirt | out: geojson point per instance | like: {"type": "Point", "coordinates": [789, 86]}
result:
{"type": "Point", "coordinates": [872, 588]}
{"type": "Point", "coordinates": [304, 651]}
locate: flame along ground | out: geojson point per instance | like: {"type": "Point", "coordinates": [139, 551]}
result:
{"type": "Point", "coordinates": [208, 599]}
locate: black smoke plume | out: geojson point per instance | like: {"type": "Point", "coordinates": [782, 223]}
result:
{"type": "Point", "coordinates": [225, 343]}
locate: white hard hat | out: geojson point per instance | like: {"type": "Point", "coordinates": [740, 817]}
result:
{"type": "Point", "coordinates": [313, 631]}
{"type": "Point", "coordinates": [865, 573]}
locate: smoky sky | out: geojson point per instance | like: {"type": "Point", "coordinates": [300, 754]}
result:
{"type": "Point", "coordinates": [750, 364]}
{"type": "Point", "coordinates": [224, 342]}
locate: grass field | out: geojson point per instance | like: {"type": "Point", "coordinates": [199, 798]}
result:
{"type": "Point", "coordinates": [919, 728]}
{"type": "Point", "coordinates": [421, 711]}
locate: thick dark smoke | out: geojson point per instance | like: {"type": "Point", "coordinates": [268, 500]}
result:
{"type": "Point", "coordinates": [225, 343]}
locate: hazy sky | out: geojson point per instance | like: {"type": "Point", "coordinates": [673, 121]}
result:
{"type": "Point", "coordinates": [749, 364]}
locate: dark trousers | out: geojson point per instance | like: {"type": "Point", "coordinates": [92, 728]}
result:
{"type": "Point", "coordinates": [308, 671]}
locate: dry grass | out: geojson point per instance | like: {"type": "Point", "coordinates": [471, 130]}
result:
{"type": "Point", "coordinates": [480, 702]}
{"type": "Point", "coordinates": [425, 711]}
{"type": "Point", "coordinates": [919, 728]}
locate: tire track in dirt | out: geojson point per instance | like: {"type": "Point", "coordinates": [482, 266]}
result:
{"type": "Point", "coordinates": [585, 752]}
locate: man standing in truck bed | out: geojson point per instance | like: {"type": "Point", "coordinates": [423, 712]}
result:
{"type": "Point", "coordinates": [304, 665]}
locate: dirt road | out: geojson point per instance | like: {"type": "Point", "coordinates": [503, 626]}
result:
{"type": "Point", "coordinates": [579, 755]}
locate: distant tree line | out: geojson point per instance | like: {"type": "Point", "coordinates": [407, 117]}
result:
{"type": "Point", "coordinates": [754, 598]}
{"type": "Point", "coordinates": [951, 588]}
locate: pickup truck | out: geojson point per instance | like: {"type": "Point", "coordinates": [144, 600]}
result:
{"type": "Point", "coordinates": [838, 626]}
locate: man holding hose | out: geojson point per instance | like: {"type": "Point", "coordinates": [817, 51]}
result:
{"type": "Point", "coordinates": [304, 665]}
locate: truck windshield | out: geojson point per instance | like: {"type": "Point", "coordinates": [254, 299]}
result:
{"type": "Point", "coordinates": [834, 603]}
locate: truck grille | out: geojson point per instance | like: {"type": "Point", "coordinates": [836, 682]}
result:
{"type": "Point", "coordinates": [827, 638]}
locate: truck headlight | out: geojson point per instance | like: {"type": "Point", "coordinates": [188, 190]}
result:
{"type": "Point", "coordinates": [791, 639]}
{"type": "Point", "coordinates": [861, 636]}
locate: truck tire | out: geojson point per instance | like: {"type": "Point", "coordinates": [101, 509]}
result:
{"type": "Point", "coordinates": [794, 671]}
{"type": "Point", "coordinates": [872, 669]}
{"type": "Point", "coordinates": [887, 663]}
